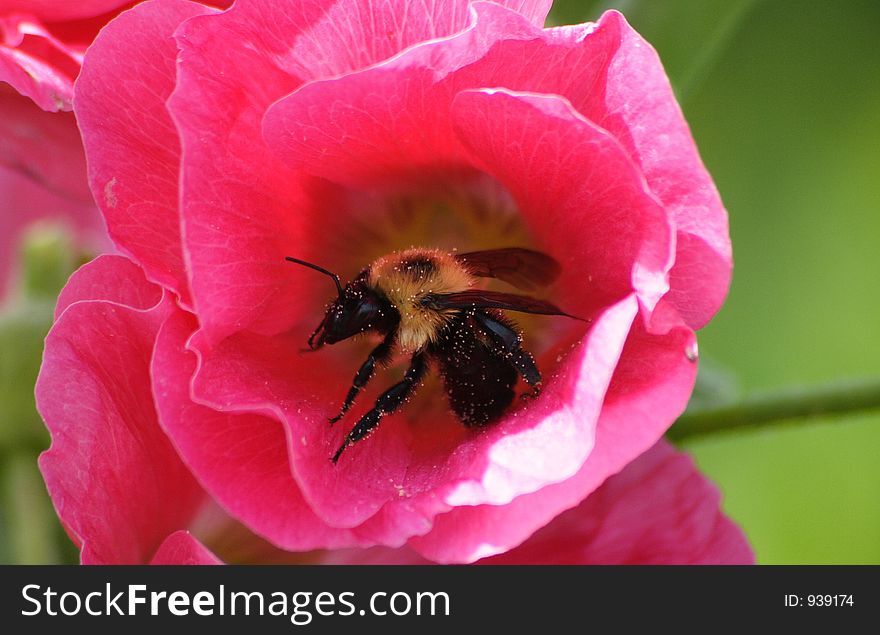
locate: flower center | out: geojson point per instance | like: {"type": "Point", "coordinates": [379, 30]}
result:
{"type": "Point", "coordinates": [467, 215]}
{"type": "Point", "coordinates": [464, 216]}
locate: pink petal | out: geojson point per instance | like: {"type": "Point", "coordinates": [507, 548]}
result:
{"type": "Point", "coordinates": [658, 510]}
{"type": "Point", "coordinates": [241, 459]}
{"type": "Point", "coordinates": [638, 102]}
{"type": "Point", "coordinates": [389, 123]}
{"type": "Point", "coordinates": [44, 147]}
{"type": "Point", "coordinates": [553, 446]}
{"type": "Point", "coordinates": [650, 388]}
{"type": "Point", "coordinates": [42, 175]}
{"type": "Point", "coordinates": [242, 211]}
{"type": "Point", "coordinates": [115, 480]}
{"type": "Point", "coordinates": [113, 279]}
{"type": "Point", "coordinates": [323, 38]}
{"type": "Point", "coordinates": [181, 548]}
{"type": "Point", "coordinates": [133, 169]}
{"type": "Point", "coordinates": [36, 64]}
{"type": "Point", "coordinates": [615, 79]}
{"type": "Point", "coordinates": [233, 66]}
{"type": "Point", "coordinates": [258, 380]}
{"type": "Point", "coordinates": [563, 171]}
{"type": "Point", "coordinates": [55, 11]}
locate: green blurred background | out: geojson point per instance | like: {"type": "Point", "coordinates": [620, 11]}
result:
{"type": "Point", "coordinates": [783, 97]}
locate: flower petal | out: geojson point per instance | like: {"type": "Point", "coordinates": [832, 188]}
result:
{"type": "Point", "coordinates": [389, 123]}
{"type": "Point", "coordinates": [675, 173]}
{"type": "Point", "coordinates": [133, 169]}
{"type": "Point", "coordinates": [233, 66]}
{"type": "Point", "coordinates": [114, 478]}
{"type": "Point", "coordinates": [242, 211]}
{"type": "Point", "coordinates": [614, 78]}
{"type": "Point", "coordinates": [552, 447]}
{"type": "Point", "coordinates": [241, 459]}
{"type": "Point", "coordinates": [44, 147]}
{"type": "Point", "coordinates": [285, 470]}
{"type": "Point", "coordinates": [658, 510]}
{"type": "Point", "coordinates": [325, 38]}
{"type": "Point", "coordinates": [181, 548]}
{"type": "Point", "coordinates": [113, 279]}
{"type": "Point", "coordinates": [565, 172]}
{"type": "Point", "coordinates": [36, 64]}
{"type": "Point", "coordinates": [650, 388]}
{"type": "Point", "coordinates": [54, 11]}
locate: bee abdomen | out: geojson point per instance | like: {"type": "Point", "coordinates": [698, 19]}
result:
{"type": "Point", "coordinates": [479, 382]}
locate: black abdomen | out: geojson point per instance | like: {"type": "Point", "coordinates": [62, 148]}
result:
{"type": "Point", "coordinates": [479, 379]}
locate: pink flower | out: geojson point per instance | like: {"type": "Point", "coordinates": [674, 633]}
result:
{"type": "Point", "coordinates": [336, 132]}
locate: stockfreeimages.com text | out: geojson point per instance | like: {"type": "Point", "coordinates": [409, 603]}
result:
{"type": "Point", "coordinates": [300, 606]}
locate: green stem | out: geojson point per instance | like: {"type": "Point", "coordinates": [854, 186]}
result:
{"type": "Point", "coordinates": [785, 405]}
{"type": "Point", "coordinates": [32, 522]}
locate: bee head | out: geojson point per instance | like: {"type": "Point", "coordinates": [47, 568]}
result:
{"type": "Point", "coordinates": [356, 309]}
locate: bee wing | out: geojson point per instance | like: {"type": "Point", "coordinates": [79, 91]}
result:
{"type": "Point", "coordinates": [479, 299]}
{"type": "Point", "coordinates": [523, 268]}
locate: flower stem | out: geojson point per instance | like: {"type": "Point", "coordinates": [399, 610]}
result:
{"type": "Point", "coordinates": [31, 521]}
{"type": "Point", "coordinates": [779, 406]}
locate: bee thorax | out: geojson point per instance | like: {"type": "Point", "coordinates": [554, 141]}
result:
{"type": "Point", "coordinates": [406, 278]}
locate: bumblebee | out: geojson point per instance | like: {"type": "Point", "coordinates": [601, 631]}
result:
{"type": "Point", "coordinates": [423, 303]}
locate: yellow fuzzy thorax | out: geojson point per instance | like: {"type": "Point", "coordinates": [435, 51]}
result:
{"type": "Point", "coordinates": [407, 276]}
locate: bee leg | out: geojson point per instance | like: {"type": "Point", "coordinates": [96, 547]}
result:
{"type": "Point", "coordinates": [379, 355]}
{"type": "Point", "coordinates": [388, 402]}
{"type": "Point", "coordinates": [509, 342]}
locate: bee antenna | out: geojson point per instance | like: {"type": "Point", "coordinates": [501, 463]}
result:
{"type": "Point", "coordinates": [322, 270]}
